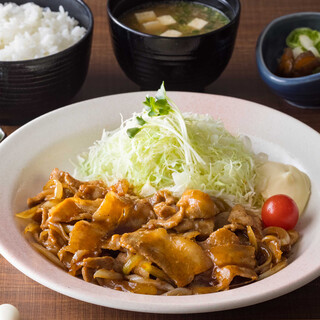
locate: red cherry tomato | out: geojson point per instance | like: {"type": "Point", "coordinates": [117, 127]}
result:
{"type": "Point", "coordinates": [280, 211]}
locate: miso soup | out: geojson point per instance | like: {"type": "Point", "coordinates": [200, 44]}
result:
{"type": "Point", "coordinates": [174, 19]}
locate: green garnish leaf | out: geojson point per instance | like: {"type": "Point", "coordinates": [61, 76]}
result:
{"type": "Point", "coordinates": [132, 132]}
{"type": "Point", "coordinates": [150, 106]}
{"type": "Point", "coordinates": [140, 121]}
{"type": "Point", "coordinates": [158, 106]}
{"type": "Point", "coordinates": [163, 107]}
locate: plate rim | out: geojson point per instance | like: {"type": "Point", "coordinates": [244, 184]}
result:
{"type": "Point", "coordinates": [133, 306]}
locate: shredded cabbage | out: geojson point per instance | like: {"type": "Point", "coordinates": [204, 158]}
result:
{"type": "Point", "coordinates": [175, 151]}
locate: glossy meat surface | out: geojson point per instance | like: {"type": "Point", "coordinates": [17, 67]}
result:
{"type": "Point", "coordinates": [179, 257]}
{"type": "Point", "coordinates": [156, 245]}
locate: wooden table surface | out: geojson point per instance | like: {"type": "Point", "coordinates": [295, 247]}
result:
{"type": "Point", "coordinates": [241, 80]}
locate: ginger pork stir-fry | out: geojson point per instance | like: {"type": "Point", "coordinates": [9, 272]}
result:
{"type": "Point", "coordinates": [156, 245]}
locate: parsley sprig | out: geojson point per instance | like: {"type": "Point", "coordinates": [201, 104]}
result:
{"type": "Point", "coordinates": [158, 106]}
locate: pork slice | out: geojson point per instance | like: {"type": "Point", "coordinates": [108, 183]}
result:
{"type": "Point", "coordinates": [72, 209]}
{"type": "Point", "coordinates": [112, 208]}
{"type": "Point", "coordinates": [227, 274]}
{"type": "Point", "coordinates": [240, 218]}
{"type": "Point", "coordinates": [96, 263]}
{"type": "Point", "coordinates": [115, 214]}
{"type": "Point", "coordinates": [230, 257]}
{"type": "Point", "coordinates": [51, 240]}
{"type": "Point", "coordinates": [37, 199]}
{"type": "Point", "coordinates": [193, 204]}
{"type": "Point", "coordinates": [88, 275]}
{"type": "Point", "coordinates": [138, 216]}
{"type": "Point", "coordinates": [169, 223]}
{"type": "Point", "coordinates": [85, 236]}
{"type": "Point", "coordinates": [64, 177]}
{"type": "Point", "coordinates": [162, 196]}
{"type": "Point", "coordinates": [197, 205]}
{"type": "Point", "coordinates": [112, 243]}
{"type": "Point", "coordinates": [164, 211]}
{"type": "Point", "coordinates": [122, 213]}
{"type": "Point", "coordinates": [225, 248]}
{"type": "Point", "coordinates": [233, 254]}
{"type": "Point", "coordinates": [73, 184]}
{"type": "Point", "coordinates": [179, 257]}
{"type": "Point", "coordinates": [91, 192]}
{"type": "Point", "coordinates": [203, 226]}
{"type": "Point", "coordinates": [122, 187]}
{"type": "Point", "coordinates": [220, 237]}
{"type": "Point", "coordinates": [238, 215]}
{"type": "Point", "coordinates": [92, 264]}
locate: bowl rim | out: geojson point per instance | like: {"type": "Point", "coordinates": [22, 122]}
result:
{"type": "Point", "coordinates": [260, 60]}
{"type": "Point", "coordinates": [65, 51]}
{"type": "Point", "coordinates": [147, 35]}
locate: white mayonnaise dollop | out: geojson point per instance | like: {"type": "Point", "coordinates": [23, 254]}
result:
{"type": "Point", "coordinates": [9, 312]}
{"type": "Point", "coordinates": [279, 178]}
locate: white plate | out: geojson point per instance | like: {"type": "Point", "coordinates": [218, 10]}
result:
{"type": "Point", "coordinates": [29, 154]}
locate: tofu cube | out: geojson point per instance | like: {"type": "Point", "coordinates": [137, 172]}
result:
{"type": "Point", "coordinates": [171, 33]}
{"type": "Point", "coordinates": [153, 26]}
{"type": "Point", "coordinates": [145, 16]}
{"type": "Point", "coordinates": [197, 23]}
{"type": "Point", "coordinates": [166, 20]}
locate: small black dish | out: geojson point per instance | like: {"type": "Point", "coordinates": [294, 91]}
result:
{"type": "Point", "coordinates": [184, 63]}
{"type": "Point", "coordinates": [29, 88]}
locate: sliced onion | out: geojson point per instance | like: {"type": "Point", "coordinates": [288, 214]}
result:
{"type": "Point", "coordinates": [161, 285]}
{"type": "Point", "coordinates": [67, 227]}
{"type": "Point", "coordinates": [32, 227]}
{"type": "Point", "coordinates": [108, 274]}
{"type": "Point", "coordinates": [271, 238]}
{"type": "Point", "coordinates": [294, 236]}
{"type": "Point", "coordinates": [178, 292]}
{"type": "Point", "coordinates": [273, 270]}
{"type": "Point", "coordinates": [280, 233]}
{"type": "Point", "coordinates": [191, 234]}
{"type": "Point", "coordinates": [266, 264]}
{"type": "Point", "coordinates": [52, 257]}
{"type": "Point", "coordinates": [141, 272]}
{"type": "Point", "coordinates": [51, 203]}
{"type": "Point", "coordinates": [28, 214]}
{"type": "Point", "coordinates": [44, 235]}
{"type": "Point", "coordinates": [58, 190]}
{"type": "Point", "coordinates": [154, 271]}
{"type": "Point", "coordinates": [135, 278]}
{"type": "Point", "coordinates": [57, 227]}
{"type": "Point", "coordinates": [49, 184]}
{"type": "Point", "coordinates": [131, 263]}
{"type": "Point", "coordinates": [252, 237]}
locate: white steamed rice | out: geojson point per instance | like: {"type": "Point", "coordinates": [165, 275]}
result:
{"type": "Point", "coordinates": [29, 31]}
